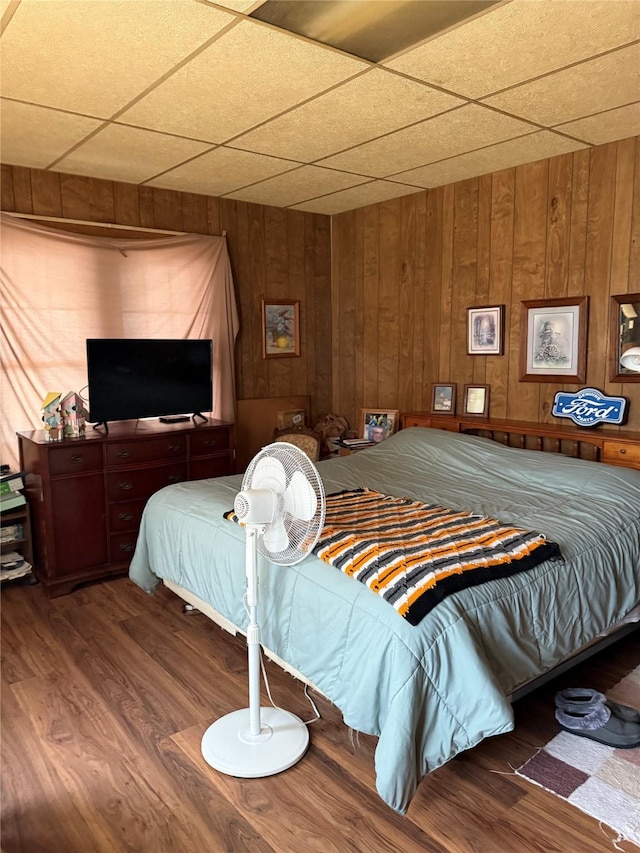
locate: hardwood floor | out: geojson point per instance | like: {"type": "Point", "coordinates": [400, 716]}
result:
{"type": "Point", "coordinates": [106, 693]}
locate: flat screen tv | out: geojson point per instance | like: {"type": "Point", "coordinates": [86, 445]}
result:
{"type": "Point", "coordinates": [145, 378]}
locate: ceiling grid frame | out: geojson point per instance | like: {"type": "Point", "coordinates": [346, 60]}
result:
{"type": "Point", "coordinates": [298, 84]}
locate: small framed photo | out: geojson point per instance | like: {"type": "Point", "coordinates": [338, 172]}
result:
{"type": "Point", "coordinates": [485, 330]}
{"type": "Point", "coordinates": [378, 424]}
{"type": "Point", "coordinates": [443, 400]}
{"type": "Point", "coordinates": [553, 340]}
{"type": "Point", "coordinates": [476, 401]}
{"type": "Point", "coordinates": [280, 329]}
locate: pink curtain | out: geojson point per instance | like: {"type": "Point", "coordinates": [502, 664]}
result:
{"type": "Point", "coordinates": [59, 288]}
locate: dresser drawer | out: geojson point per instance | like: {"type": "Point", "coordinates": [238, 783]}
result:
{"type": "Point", "coordinates": [74, 459]}
{"type": "Point", "coordinates": [415, 421]}
{"type": "Point", "coordinates": [126, 515]}
{"type": "Point", "coordinates": [433, 421]}
{"type": "Point", "coordinates": [621, 453]}
{"type": "Point", "coordinates": [124, 453]}
{"type": "Point", "coordinates": [136, 483]}
{"type": "Point", "coordinates": [122, 546]}
{"type": "Point", "coordinates": [208, 441]}
{"type": "Point", "coordinates": [214, 466]}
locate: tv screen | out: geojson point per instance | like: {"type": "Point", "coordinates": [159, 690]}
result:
{"type": "Point", "coordinates": [144, 378]}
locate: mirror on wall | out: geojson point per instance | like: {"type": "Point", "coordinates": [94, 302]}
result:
{"type": "Point", "coordinates": [625, 338]}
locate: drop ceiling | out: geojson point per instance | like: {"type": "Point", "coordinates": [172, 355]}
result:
{"type": "Point", "coordinates": [321, 106]}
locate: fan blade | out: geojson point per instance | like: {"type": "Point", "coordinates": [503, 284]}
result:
{"type": "Point", "coordinates": [300, 498]}
{"type": "Point", "coordinates": [275, 537]}
{"type": "Point", "coordinates": [269, 473]}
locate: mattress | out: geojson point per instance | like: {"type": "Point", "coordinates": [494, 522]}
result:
{"type": "Point", "coordinates": [432, 690]}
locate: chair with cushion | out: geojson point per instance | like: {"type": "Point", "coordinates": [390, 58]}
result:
{"type": "Point", "coordinates": [306, 439]}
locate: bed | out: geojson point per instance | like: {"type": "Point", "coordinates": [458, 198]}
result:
{"type": "Point", "coordinates": [427, 691]}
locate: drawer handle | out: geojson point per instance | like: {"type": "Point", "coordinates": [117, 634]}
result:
{"type": "Point", "coordinates": [174, 447]}
{"type": "Point", "coordinates": [125, 486]}
{"type": "Point", "coordinates": [623, 450]}
{"type": "Point", "coordinates": [128, 547]}
{"type": "Point", "coordinates": [174, 478]}
{"type": "Point", "coordinates": [126, 516]}
{"type": "Point", "coordinates": [209, 442]}
{"type": "Point", "coordinates": [124, 454]}
{"type": "Point", "coordinates": [77, 458]}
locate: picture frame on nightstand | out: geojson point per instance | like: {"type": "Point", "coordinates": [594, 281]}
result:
{"type": "Point", "coordinates": [476, 401]}
{"type": "Point", "coordinates": [443, 399]}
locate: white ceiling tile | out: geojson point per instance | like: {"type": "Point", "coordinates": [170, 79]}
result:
{"type": "Point", "coordinates": [578, 91]}
{"type": "Point", "coordinates": [283, 101]}
{"type": "Point", "coordinates": [250, 74]}
{"type": "Point", "coordinates": [519, 41]}
{"type": "Point", "coordinates": [377, 102]}
{"type": "Point", "coordinates": [605, 127]}
{"type": "Point", "coordinates": [359, 196]}
{"type": "Point", "coordinates": [525, 149]}
{"type": "Point", "coordinates": [455, 132]}
{"type": "Point", "coordinates": [220, 171]}
{"type": "Point", "coordinates": [300, 185]}
{"type": "Point", "coordinates": [128, 154]}
{"type": "Point", "coordinates": [22, 141]}
{"type": "Point", "coordinates": [94, 57]}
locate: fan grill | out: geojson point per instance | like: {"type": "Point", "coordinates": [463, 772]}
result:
{"type": "Point", "coordinates": [288, 470]}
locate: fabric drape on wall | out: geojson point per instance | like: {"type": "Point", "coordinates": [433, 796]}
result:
{"type": "Point", "coordinates": [59, 288]}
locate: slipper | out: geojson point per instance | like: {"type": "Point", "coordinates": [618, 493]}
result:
{"type": "Point", "coordinates": [599, 724]}
{"type": "Point", "coordinates": [574, 698]}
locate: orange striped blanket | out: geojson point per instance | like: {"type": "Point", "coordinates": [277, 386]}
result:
{"type": "Point", "coordinates": [414, 555]}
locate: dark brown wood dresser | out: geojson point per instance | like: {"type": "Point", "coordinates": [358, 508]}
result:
{"type": "Point", "coordinates": [87, 495]}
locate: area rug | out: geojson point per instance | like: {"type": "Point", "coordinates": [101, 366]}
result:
{"type": "Point", "coordinates": [599, 780]}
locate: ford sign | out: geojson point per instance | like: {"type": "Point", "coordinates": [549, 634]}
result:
{"type": "Point", "coordinates": [589, 407]}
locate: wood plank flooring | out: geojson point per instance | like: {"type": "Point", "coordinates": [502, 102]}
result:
{"type": "Point", "coordinates": [106, 693]}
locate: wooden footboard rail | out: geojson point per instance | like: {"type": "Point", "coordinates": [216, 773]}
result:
{"type": "Point", "coordinates": [615, 447]}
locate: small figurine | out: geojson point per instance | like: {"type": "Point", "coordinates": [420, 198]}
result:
{"type": "Point", "coordinates": [51, 416]}
{"type": "Point", "coordinates": [74, 415]}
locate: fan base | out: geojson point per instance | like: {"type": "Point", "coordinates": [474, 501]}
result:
{"type": "Point", "coordinates": [228, 746]}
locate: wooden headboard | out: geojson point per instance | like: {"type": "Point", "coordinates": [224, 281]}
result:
{"type": "Point", "coordinates": [594, 444]}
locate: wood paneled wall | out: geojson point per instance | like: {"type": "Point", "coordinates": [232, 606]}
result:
{"type": "Point", "coordinates": [277, 254]}
{"type": "Point", "coordinates": [405, 271]}
{"type": "Point", "coordinates": [384, 289]}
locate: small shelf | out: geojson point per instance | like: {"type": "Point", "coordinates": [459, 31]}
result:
{"type": "Point", "coordinates": [12, 543]}
{"type": "Point", "coordinates": [19, 515]}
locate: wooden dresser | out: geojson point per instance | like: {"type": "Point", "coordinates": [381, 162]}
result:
{"type": "Point", "coordinates": [599, 445]}
{"type": "Point", "coordinates": [87, 495]}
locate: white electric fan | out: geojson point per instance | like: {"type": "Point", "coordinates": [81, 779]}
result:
{"type": "Point", "coordinates": [281, 506]}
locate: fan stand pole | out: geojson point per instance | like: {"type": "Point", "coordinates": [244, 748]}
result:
{"type": "Point", "coordinates": [254, 742]}
{"type": "Point", "coordinates": [253, 631]}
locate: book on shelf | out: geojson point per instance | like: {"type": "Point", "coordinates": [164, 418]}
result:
{"type": "Point", "coordinates": [11, 501]}
{"type": "Point", "coordinates": [12, 574]}
{"type": "Point", "coordinates": [13, 565]}
{"type": "Point", "coordinates": [356, 442]}
{"type": "Point", "coordinates": [11, 485]}
{"type": "Point", "coordinates": [11, 532]}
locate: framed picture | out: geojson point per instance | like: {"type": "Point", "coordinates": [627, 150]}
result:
{"type": "Point", "coordinates": [280, 329]}
{"type": "Point", "coordinates": [378, 424]}
{"type": "Point", "coordinates": [553, 340]}
{"type": "Point", "coordinates": [476, 401]}
{"type": "Point", "coordinates": [624, 338]}
{"type": "Point", "coordinates": [485, 330]}
{"type": "Point", "coordinates": [443, 400]}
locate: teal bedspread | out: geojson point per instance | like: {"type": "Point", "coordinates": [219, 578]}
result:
{"type": "Point", "coordinates": [432, 690]}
